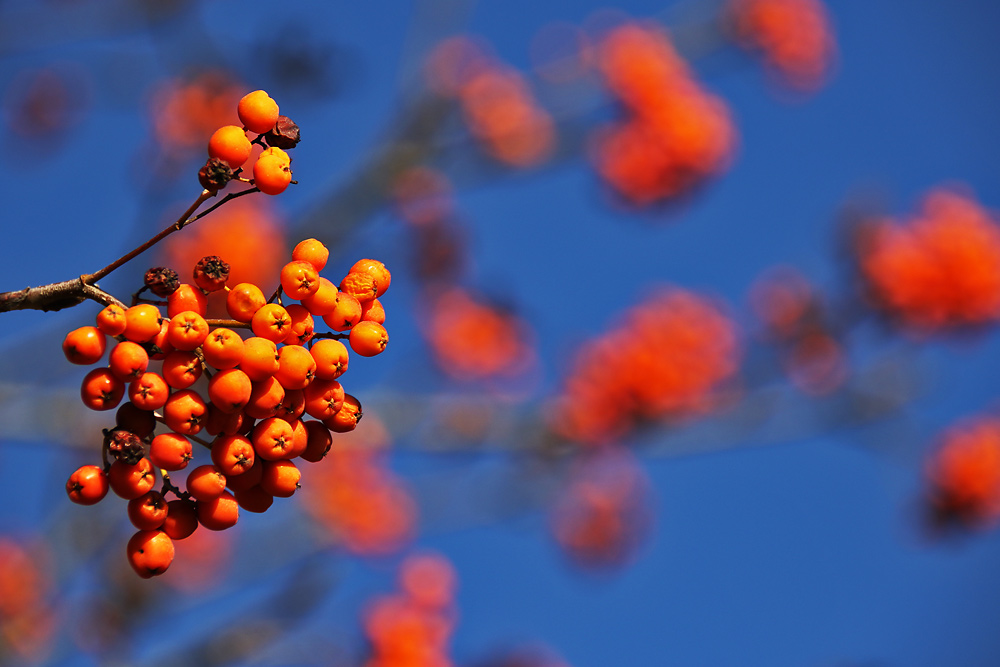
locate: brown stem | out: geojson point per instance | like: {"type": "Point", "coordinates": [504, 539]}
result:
{"type": "Point", "coordinates": [231, 324]}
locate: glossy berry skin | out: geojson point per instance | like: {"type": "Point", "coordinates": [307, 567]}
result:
{"type": "Point", "coordinates": [258, 111]}
{"type": "Point", "coordinates": [87, 485]}
{"type": "Point", "coordinates": [150, 552]}
{"type": "Point", "coordinates": [84, 346]}
{"type": "Point", "coordinates": [229, 143]}
{"type": "Point", "coordinates": [271, 174]}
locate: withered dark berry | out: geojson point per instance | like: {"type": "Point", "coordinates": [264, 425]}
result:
{"type": "Point", "coordinates": [162, 281]}
{"type": "Point", "coordinates": [284, 135]}
{"type": "Point", "coordinates": [211, 273]}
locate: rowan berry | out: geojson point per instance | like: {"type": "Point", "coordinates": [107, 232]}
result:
{"type": "Point", "coordinates": [260, 358]}
{"type": "Point", "coordinates": [312, 251]}
{"type": "Point", "coordinates": [101, 390]}
{"type": "Point", "coordinates": [211, 273]}
{"type": "Point", "coordinates": [84, 346]}
{"type": "Point", "coordinates": [150, 552]}
{"type": "Point", "coordinates": [271, 174]}
{"type": "Point", "coordinates": [184, 412]}
{"type": "Point", "coordinates": [215, 174]}
{"type": "Point", "coordinates": [345, 314]}
{"type": "Point", "coordinates": [324, 398]}
{"type": "Point", "coordinates": [247, 479]}
{"type": "Point", "coordinates": [230, 143]}
{"type": "Point", "coordinates": [128, 360]}
{"type": "Point", "coordinates": [300, 437]}
{"type": "Point", "coordinates": [271, 322]}
{"type": "Point", "coordinates": [361, 285]}
{"type": "Point", "coordinates": [331, 358]}
{"type": "Point", "coordinates": [148, 511]}
{"type": "Point", "coordinates": [272, 438]}
{"type": "Point", "coordinates": [181, 369]}
{"type": "Point", "coordinates": [258, 111]}
{"type": "Point", "coordinates": [373, 311]}
{"type": "Point", "coordinates": [302, 327]}
{"type": "Point", "coordinates": [161, 281]}
{"type": "Point", "coordinates": [299, 279]}
{"type": "Point", "coordinates": [170, 451]}
{"type": "Point", "coordinates": [160, 346]}
{"type": "Point", "coordinates": [149, 392]}
{"type": "Point", "coordinates": [130, 481]}
{"type": "Point", "coordinates": [347, 417]}
{"type": "Point", "coordinates": [142, 323]}
{"type": "Point", "coordinates": [135, 420]}
{"type": "Point", "coordinates": [220, 513]}
{"type": "Point", "coordinates": [125, 446]}
{"type": "Point", "coordinates": [206, 482]}
{"type": "Point", "coordinates": [243, 301]}
{"type": "Point", "coordinates": [254, 499]}
{"type": "Point", "coordinates": [232, 455]}
{"type": "Point", "coordinates": [187, 297]}
{"type": "Point", "coordinates": [368, 338]}
{"type": "Point", "coordinates": [296, 367]}
{"type": "Point", "coordinates": [87, 485]}
{"type": "Point", "coordinates": [323, 300]}
{"type": "Point", "coordinates": [111, 320]}
{"type": "Point", "coordinates": [229, 390]}
{"type": "Point", "coordinates": [182, 519]}
{"type": "Point", "coordinates": [319, 441]}
{"type": "Point", "coordinates": [376, 269]}
{"type": "Point", "coordinates": [217, 421]}
{"type": "Point", "coordinates": [265, 399]}
{"type": "Point", "coordinates": [280, 478]}
{"type": "Point", "coordinates": [187, 330]}
{"type": "Point", "coordinates": [223, 348]}
{"type": "Point", "coordinates": [292, 405]}
{"type": "Point", "coordinates": [285, 134]}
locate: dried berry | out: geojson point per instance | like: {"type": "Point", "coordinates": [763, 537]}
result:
{"type": "Point", "coordinates": [211, 273]}
{"type": "Point", "coordinates": [161, 281]}
{"type": "Point", "coordinates": [215, 174]}
{"type": "Point", "coordinates": [284, 135]}
{"type": "Point", "coordinates": [125, 446]}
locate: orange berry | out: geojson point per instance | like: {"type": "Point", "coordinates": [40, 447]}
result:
{"type": "Point", "coordinates": [271, 322]}
{"type": "Point", "coordinates": [187, 330]}
{"type": "Point", "coordinates": [280, 478]}
{"type": "Point", "coordinates": [254, 499]}
{"type": "Point", "coordinates": [271, 174]}
{"type": "Point", "coordinates": [160, 346]}
{"type": "Point", "coordinates": [131, 481]}
{"type": "Point", "coordinates": [170, 451]}
{"type": "Point", "coordinates": [361, 285]}
{"type": "Point", "coordinates": [272, 438]}
{"type": "Point", "coordinates": [324, 398]}
{"type": "Point", "coordinates": [260, 358]}
{"type": "Point", "coordinates": [229, 390]}
{"type": "Point", "coordinates": [187, 297]}
{"type": "Point", "coordinates": [223, 348]}
{"type": "Point", "coordinates": [331, 358]}
{"type": "Point", "coordinates": [323, 300]}
{"type": "Point", "coordinates": [368, 338]}
{"type": "Point", "coordinates": [345, 314]}
{"type": "Point", "coordinates": [182, 519]}
{"type": "Point", "coordinates": [347, 417]}
{"type": "Point", "coordinates": [302, 328]}
{"type": "Point", "coordinates": [148, 511]}
{"type": "Point", "coordinates": [142, 323]}
{"type": "Point", "coordinates": [376, 270]}
{"type": "Point", "coordinates": [258, 111]}
{"type": "Point", "coordinates": [319, 441]}
{"type": "Point", "coordinates": [150, 552]}
{"type": "Point", "coordinates": [292, 405]}
{"type": "Point", "coordinates": [300, 437]}
{"type": "Point", "coordinates": [128, 360]}
{"type": "Point", "coordinates": [373, 312]}
{"type": "Point", "coordinates": [243, 301]}
{"type": "Point", "coordinates": [220, 513]}
{"type": "Point", "coordinates": [184, 412]}
{"type": "Point", "coordinates": [265, 399]}
{"type": "Point", "coordinates": [217, 421]}
{"type": "Point", "coordinates": [230, 143]}
{"type": "Point", "coordinates": [232, 455]}
{"type": "Point", "coordinates": [101, 390]}
{"type": "Point", "coordinates": [296, 367]}
{"type": "Point", "coordinates": [149, 392]}
{"type": "Point", "coordinates": [181, 369]}
{"type": "Point", "coordinates": [206, 482]}
{"type": "Point", "coordinates": [312, 251]}
{"type": "Point", "coordinates": [248, 478]}
{"type": "Point", "coordinates": [111, 320]}
{"type": "Point", "coordinates": [84, 346]}
{"type": "Point", "coordinates": [87, 485]}
{"type": "Point", "coordinates": [299, 279]}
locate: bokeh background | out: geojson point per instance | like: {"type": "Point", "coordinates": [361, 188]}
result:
{"type": "Point", "coordinates": [784, 523]}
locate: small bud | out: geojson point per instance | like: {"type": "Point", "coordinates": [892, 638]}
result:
{"type": "Point", "coordinates": [211, 273]}
{"type": "Point", "coordinates": [162, 281]}
{"type": "Point", "coordinates": [215, 174]}
{"type": "Point", "coordinates": [284, 135]}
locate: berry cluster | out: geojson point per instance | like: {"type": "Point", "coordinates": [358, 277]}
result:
{"type": "Point", "coordinates": [229, 148]}
{"type": "Point", "coordinates": [666, 359]}
{"type": "Point", "coordinates": [795, 37]}
{"type": "Point", "coordinates": [250, 395]}
{"type": "Point", "coordinates": [941, 269]}
{"type": "Point", "coordinates": [675, 134]}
